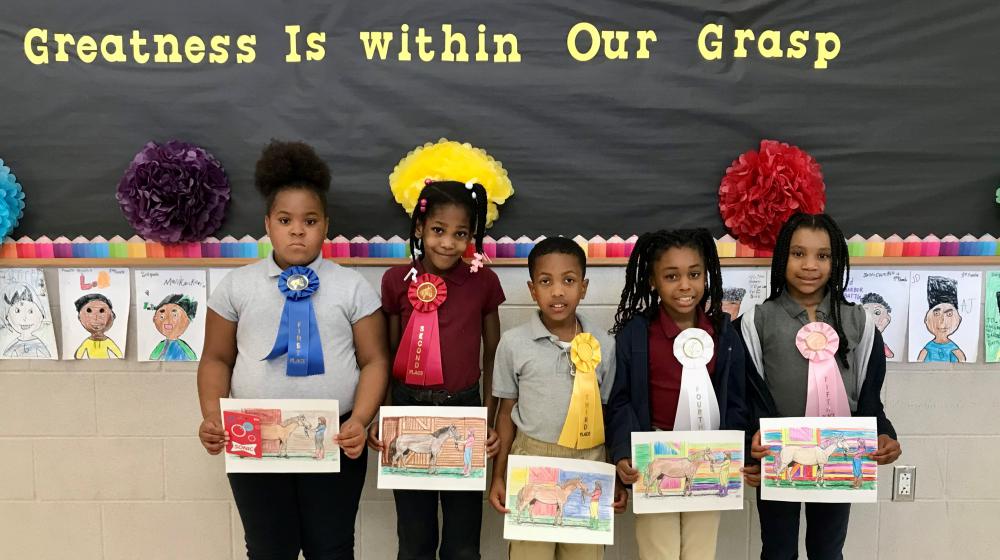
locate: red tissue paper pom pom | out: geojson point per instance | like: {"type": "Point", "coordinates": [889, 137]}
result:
{"type": "Point", "coordinates": [762, 189]}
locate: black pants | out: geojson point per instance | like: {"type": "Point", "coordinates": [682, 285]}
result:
{"type": "Point", "coordinates": [417, 510]}
{"type": "Point", "coordinates": [285, 513]}
{"type": "Point", "coordinates": [826, 529]}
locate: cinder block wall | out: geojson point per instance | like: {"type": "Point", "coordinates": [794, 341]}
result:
{"type": "Point", "coordinates": [99, 460]}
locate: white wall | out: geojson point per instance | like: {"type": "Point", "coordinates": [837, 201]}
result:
{"type": "Point", "coordinates": [99, 460]}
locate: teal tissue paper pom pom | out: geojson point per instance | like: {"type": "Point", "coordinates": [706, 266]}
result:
{"type": "Point", "coordinates": [11, 201]}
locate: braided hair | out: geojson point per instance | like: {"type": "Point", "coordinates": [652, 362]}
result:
{"type": "Point", "coordinates": [437, 194]}
{"type": "Point", "coordinates": [639, 297]}
{"type": "Point", "coordinates": [840, 268]}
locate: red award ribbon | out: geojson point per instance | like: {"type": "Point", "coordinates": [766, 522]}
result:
{"type": "Point", "coordinates": [418, 360]}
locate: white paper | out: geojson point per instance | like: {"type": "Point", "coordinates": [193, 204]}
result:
{"type": "Point", "coordinates": [294, 440]}
{"type": "Point", "coordinates": [170, 309]}
{"type": "Point", "coordinates": [687, 471]}
{"type": "Point", "coordinates": [885, 295]}
{"type": "Point", "coordinates": [94, 289]}
{"type": "Point", "coordinates": [956, 330]}
{"type": "Point", "coordinates": [819, 460]}
{"type": "Point", "coordinates": [550, 500]}
{"type": "Point", "coordinates": [425, 447]}
{"type": "Point", "coordinates": [26, 331]}
{"type": "Point", "coordinates": [743, 288]}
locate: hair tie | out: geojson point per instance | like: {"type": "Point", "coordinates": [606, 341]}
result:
{"type": "Point", "coordinates": [470, 184]}
{"type": "Point", "coordinates": [428, 181]}
{"type": "Point", "coordinates": [423, 205]}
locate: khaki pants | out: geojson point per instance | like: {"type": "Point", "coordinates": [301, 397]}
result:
{"type": "Point", "coordinates": [533, 550]}
{"type": "Point", "coordinates": [690, 535]}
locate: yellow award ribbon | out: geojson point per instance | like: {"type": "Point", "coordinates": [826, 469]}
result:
{"type": "Point", "coordinates": [584, 426]}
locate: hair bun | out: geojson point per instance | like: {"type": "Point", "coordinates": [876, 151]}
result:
{"type": "Point", "coordinates": [284, 164]}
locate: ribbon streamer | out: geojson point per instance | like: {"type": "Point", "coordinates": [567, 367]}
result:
{"type": "Point", "coordinates": [298, 332]}
{"type": "Point", "coordinates": [697, 406]}
{"type": "Point", "coordinates": [584, 425]}
{"type": "Point", "coordinates": [826, 396]}
{"type": "Point", "coordinates": [418, 359]}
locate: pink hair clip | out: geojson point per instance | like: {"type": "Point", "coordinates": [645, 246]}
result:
{"type": "Point", "coordinates": [423, 205]}
{"type": "Point", "coordinates": [478, 261]}
{"type": "Point", "coordinates": [428, 181]}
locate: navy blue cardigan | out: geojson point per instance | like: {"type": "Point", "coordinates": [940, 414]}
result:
{"type": "Point", "coordinates": [628, 406]}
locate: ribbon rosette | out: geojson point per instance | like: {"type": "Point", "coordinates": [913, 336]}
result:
{"type": "Point", "coordinates": [298, 332]}
{"type": "Point", "coordinates": [418, 360]}
{"type": "Point", "coordinates": [584, 426]}
{"type": "Point", "coordinates": [697, 406]}
{"type": "Point", "coordinates": [826, 396]}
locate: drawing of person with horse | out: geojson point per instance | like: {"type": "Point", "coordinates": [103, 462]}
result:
{"type": "Point", "coordinates": [550, 494]}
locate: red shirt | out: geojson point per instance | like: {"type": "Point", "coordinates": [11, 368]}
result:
{"type": "Point", "coordinates": [471, 297]}
{"type": "Point", "coordinates": [665, 370]}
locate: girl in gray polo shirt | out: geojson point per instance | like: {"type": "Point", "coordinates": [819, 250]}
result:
{"type": "Point", "coordinates": [284, 514]}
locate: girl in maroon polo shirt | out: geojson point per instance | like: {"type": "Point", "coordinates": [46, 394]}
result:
{"type": "Point", "coordinates": [448, 216]}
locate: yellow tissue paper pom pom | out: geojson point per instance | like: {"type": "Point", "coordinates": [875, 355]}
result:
{"type": "Point", "coordinates": [448, 160]}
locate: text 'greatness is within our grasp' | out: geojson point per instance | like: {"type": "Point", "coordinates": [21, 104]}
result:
{"type": "Point", "coordinates": [584, 42]}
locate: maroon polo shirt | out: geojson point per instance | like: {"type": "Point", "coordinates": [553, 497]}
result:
{"type": "Point", "coordinates": [471, 297]}
{"type": "Point", "coordinates": [664, 368]}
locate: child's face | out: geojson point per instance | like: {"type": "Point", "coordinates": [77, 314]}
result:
{"type": "Point", "coordinates": [297, 226]}
{"type": "Point", "coordinates": [445, 232]}
{"type": "Point", "coordinates": [24, 317]}
{"type": "Point", "coordinates": [679, 279]}
{"type": "Point", "coordinates": [942, 320]}
{"type": "Point", "coordinates": [809, 263]}
{"type": "Point", "coordinates": [171, 321]}
{"type": "Point", "coordinates": [879, 314]}
{"type": "Point", "coordinates": [558, 286]}
{"type": "Point", "coordinates": [96, 317]}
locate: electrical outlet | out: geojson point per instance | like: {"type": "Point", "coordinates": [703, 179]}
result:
{"type": "Point", "coordinates": [904, 483]}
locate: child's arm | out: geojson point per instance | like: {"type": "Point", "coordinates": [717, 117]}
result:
{"type": "Point", "coordinates": [373, 359]}
{"type": "Point", "coordinates": [491, 339]}
{"type": "Point", "coordinates": [506, 432]}
{"type": "Point", "coordinates": [395, 333]}
{"type": "Point", "coordinates": [870, 404]}
{"type": "Point", "coordinates": [215, 371]}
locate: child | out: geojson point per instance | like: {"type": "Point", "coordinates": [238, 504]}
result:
{"type": "Point", "coordinates": [449, 216]}
{"type": "Point", "coordinates": [670, 277]}
{"type": "Point", "coordinates": [171, 318]}
{"type": "Point", "coordinates": [809, 271]}
{"type": "Point", "coordinates": [535, 379]}
{"type": "Point", "coordinates": [284, 514]}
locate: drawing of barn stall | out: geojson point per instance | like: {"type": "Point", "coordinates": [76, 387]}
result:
{"type": "Point", "coordinates": [299, 443]}
{"type": "Point", "coordinates": [424, 430]}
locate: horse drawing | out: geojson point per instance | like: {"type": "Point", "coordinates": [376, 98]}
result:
{"type": "Point", "coordinates": [812, 455]}
{"type": "Point", "coordinates": [551, 494]}
{"type": "Point", "coordinates": [429, 444]}
{"type": "Point", "coordinates": [281, 432]}
{"type": "Point", "coordinates": [678, 468]}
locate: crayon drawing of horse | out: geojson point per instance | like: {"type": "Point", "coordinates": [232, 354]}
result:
{"type": "Point", "coordinates": [551, 494]}
{"type": "Point", "coordinates": [813, 455]}
{"type": "Point", "coordinates": [677, 468]}
{"type": "Point", "coordinates": [281, 432]}
{"type": "Point", "coordinates": [429, 444]}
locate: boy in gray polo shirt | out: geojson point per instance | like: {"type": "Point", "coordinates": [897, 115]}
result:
{"type": "Point", "coordinates": [534, 376]}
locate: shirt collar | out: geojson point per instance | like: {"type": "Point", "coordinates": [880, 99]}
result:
{"type": "Point", "coordinates": [273, 270]}
{"type": "Point", "coordinates": [540, 331]}
{"type": "Point", "coordinates": [796, 311]}
{"type": "Point", "coordinates": [457, 274]}
{"type": "Point", "coordinates": [671, 329]}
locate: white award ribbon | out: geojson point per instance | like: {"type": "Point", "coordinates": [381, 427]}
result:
{"type": "Point", "coordinates": [697, 407]}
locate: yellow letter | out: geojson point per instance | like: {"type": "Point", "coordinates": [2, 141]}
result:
{"type": "Point", "coordinates": [62, 40]}
{"type": "Point", "coordinates": [715, 52]}
{"type": "Point", "coordinates": [36, 54]}
{"type": "Point", "coordinates": [86, 49]}
{"type": "Point", "coordinates": [162, 41]}
{"type": "Point", "coordinates": [741, 36]}
{"type": "Point", "coordinates": [798, 46]}
{"type": "Point", "coordinates": [452, 38]}
{"type": "Point", "coordinates": [825, 52]}
{"type": "Point", "coordinates": [611, 53]}
{"type": "Point", "coordinates": [293, 49]}
{"type": "Point", "coordinates": [376, 41]}
{"type": "Point", "coordinates": [137, 43]}
{"type": "Point", "coordinates": [404, 43]}
{"type": "Point", "coordinates": [118, 55]}
{"type": "Point", "coordinates": [315, 42]}
{"type": "Point", "coordinates": [423, 40]}
{"type": "Point", "coordinates": [506, 39]}
{"type": "Point", "coordinates": [643, 36]}
{"type": "Point", "coordinates": [220, 50]}
{"type": "Point", "coordinates": [481, 54]}
{"type": "Point", "coordinates": [245, 44]}
{"type": "Point", "coordinates": [194, 49]}
{"type": "Point", "coordinates": [595, 41]}
{"type": "Point", "coordinates": [774, 38]}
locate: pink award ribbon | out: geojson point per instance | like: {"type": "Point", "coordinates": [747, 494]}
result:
{"type": "Point", "coordinates": [418, 359]}
{"type": "Point", "coordinates": [697, 406]}
{"type": "Point", "coordinates": [826, 395]}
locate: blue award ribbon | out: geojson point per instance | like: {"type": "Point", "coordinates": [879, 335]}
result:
{"type": "Point", "coordinates": [298, 333]}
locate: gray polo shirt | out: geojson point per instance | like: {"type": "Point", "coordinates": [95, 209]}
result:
{"type": "Point", "coordinates": [249, 296]}
{"type": "Point", "coordinates": [786, 371]}
{"type": "Point", "coordinates": [533, 368]}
